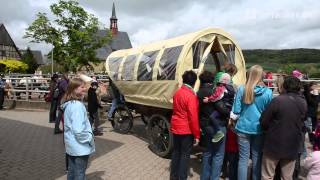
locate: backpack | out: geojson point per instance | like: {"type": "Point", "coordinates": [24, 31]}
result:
{"type": "Point", "coordinates": [56, 92]}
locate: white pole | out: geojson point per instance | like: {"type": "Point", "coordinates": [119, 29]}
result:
{"type": "Point", "coordinates": [52, 60]}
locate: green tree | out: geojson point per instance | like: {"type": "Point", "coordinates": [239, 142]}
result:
{"type": "Point", "coordinates": [73, 33]}
{"type": "Point", "coordinates": [30, 60]}
{"type": "Point", "coordinates": [13, 66]}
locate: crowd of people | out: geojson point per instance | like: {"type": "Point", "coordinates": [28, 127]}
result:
{"type": "Point", "coordinates": [236, 124]}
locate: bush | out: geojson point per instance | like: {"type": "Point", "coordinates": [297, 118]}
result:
{"type": "Point", "coordinates": [13, 66]}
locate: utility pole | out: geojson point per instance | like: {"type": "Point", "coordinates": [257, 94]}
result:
{"type": "Point", "coordinates": [52, 59]}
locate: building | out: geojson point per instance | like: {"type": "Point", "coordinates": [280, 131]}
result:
{"type": "Point", "coordinates": [37, 56]}
{"type": "Point", "coordinates": [8, 49]}
{"type": "Point", "coordinates": [120, 39]}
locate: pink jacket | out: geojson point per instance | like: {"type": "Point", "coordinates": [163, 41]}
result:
{"type": "Point", "coordinates": [312, 165]}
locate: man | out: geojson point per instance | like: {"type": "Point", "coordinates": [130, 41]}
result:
{"type": "Point", "coordinates": [2, 91]}
{"type": "Point", "coordinates": [184, 126]}
{"type": "Point", "coordinates": [62, 87]}
{"type": "Point", "coordinates": [93, 105]}
{"type": "Point", "coordinates": [282, 123]}
{"type": "Point", "coordinates": [117, 98]}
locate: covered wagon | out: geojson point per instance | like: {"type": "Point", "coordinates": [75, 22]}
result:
{"type": "Point", "coordinates": [149, 75]}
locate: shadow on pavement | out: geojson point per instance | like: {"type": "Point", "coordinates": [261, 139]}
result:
{"type": "Point", "coordinates": [33, 152]}
{"type": "Point", "coordinates": [95, 175]}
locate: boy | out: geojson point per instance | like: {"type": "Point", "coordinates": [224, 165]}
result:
{"type": "Point", "coordinates": [93, 105]}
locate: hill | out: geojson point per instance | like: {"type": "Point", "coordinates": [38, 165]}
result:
{"type": "Point", "coordinates": [285, 60]}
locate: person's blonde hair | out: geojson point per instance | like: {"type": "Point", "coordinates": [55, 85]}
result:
{"type": "Point", "coordinates": [254, 77]}
{"type": "Point", "coordinates": [72, 86]}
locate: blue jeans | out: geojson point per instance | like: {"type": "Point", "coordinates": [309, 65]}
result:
{"type": "Point", "coordinates": [212, 158]}
{"type": "Point", "coordinates": [114, 105]}
{"type": "Point", "coordinates": [77, 167]}
{"type": "Point", "coordinates": [254, 143]}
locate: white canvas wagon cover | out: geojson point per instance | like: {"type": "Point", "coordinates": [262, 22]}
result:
{"type": "Point", "coordinates": [150, 74]}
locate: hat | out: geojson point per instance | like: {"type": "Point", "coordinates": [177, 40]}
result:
{"type": "Point", "coordinates": [94, 83]}
{"type": "Point", "coordinates": [225, 78]}
{"type": "Point", "coordinates": [55, 75]}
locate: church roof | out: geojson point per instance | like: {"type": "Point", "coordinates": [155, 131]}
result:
{"type": "Point", "coordinates": [113, 16]}
{"type": "Point", "coordinates": [37, 55]}
{"type": "Point", "coordinates": [119, 41]}
{"type": "Point", "coordinates": [5, 38]}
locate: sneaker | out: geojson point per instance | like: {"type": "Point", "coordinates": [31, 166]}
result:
{"type": "Point", "coordinates": [97, 133]}
{"type": "Point", "coordinates": [110, 119]}
{"type": "Point", "coordinates": [217, 137]}
{"type": "Point", "coordinates": [58, 131]}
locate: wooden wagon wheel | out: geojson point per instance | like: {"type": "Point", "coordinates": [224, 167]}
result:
{"type": "Point", "coordinates": [160, 137]}
{"type": "Point", "coordinates": [122, 120]}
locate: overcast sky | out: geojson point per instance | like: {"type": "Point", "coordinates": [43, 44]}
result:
{"type": "Point", "coordinates": [255, 24]}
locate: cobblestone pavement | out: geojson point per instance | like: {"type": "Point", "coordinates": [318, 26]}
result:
{"type": "Point", "coordinates": [30, 150]}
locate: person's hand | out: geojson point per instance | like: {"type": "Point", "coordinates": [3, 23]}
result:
{"type": "Point", "coordinates": [196, 142]}
{"type": "Point", "coordinates": [206, 100]}
{"type": "Point", "coordinates": [231, 123]}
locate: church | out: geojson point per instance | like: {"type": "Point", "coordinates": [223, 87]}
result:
{"type": "Point", "coordinates": [120, 39]}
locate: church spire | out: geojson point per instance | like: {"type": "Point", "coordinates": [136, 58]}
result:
{"type": "Point", "coordinates": [113, 21]}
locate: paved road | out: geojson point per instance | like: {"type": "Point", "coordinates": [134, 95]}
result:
{"type": "Point", "coordinates": [29, 150]}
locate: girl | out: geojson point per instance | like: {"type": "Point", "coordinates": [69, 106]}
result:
{"type": "Point", "coordinates": [250, 101]}
{"type": "Point", "coordinates": [312, 163]}
{"type": "Point", "coordinates": [78, 136]}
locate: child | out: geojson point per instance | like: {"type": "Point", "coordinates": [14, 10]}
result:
{"type": "Point", "coordinates": [78, 136]}
{"type": "Point", "coordinates": [93, 105]}
{"type": "Point", "coordinates": [312, 163]}
{"type": "Point", "coordinates": [225, 92]}
{"type": "Point", "coordinates": [232, 154]}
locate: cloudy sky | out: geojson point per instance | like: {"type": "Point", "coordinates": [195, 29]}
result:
{"type": "Point", "coordinates": [255, 24]}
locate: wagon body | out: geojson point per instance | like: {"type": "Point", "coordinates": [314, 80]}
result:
{"type": "Point", "coordinates": [150, 74]}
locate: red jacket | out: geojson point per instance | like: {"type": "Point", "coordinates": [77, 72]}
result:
{"type": "Point", "coordinates": [185, 118]}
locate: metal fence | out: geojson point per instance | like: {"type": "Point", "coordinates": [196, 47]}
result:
{"type": "Point", "coordinates": [26, 87]}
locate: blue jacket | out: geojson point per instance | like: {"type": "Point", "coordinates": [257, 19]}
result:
{"type": "Point", "coordinates": [78, 136]}
{"type": "Point", "coordinates": [249, 114]}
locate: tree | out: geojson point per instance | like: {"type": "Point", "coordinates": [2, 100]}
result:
{"type": "Point", "coordinates": [73, 33]}
{"type": "Point", "coordinates": [30, 60]}
{"type": "Point", "coordinates": [13, 66]}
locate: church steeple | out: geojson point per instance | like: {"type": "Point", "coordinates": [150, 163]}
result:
{"type": "Point", "coordinates": [113, 21]}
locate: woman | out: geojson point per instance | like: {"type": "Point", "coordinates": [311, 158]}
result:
{"type": "Point", "coordinates": [250, 101]}
{"type": "Point", "coordinates": [78, 136]}
{"type": "Point", "coordinates": [212, 158]}
{"type": "Point", "coordinates": [311, 94]}
{"type": "Point", "coordinates": [282, 123]}
{"type": "Point", "coordinates": [184, 126]}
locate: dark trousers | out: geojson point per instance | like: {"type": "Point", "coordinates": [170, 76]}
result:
{"type": "Point", "coordinates": [232, 164]}
{"type": "Point", "coordinates": [214, 125]}
{"type": "Point", "coordinates": [77, 167]}
{"type": "Point", "coordinates": [53, 110]}
{"type": "Point", "coordinates": [182, 146]}
{"type": "Point", "coordinates": [94, 119]}
{"type": "Point", "coordinates": [58, 119]}
{"type": "Point", "coordinates": [1, 98]}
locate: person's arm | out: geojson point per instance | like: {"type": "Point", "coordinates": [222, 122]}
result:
{"type": "Point", "coordinates": [310, 160]}
{"type": "Point", "coordinates": [193, 115]}
{"type": "Point", "coordinates": [79, 123]}
{"type": "Point", "coordinates": [267, 115]}
{"type": "Point", "coordinates": [237, 104]}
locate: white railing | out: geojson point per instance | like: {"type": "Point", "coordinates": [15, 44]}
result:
{"type": "Point", "coordinates": [27, 88]}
